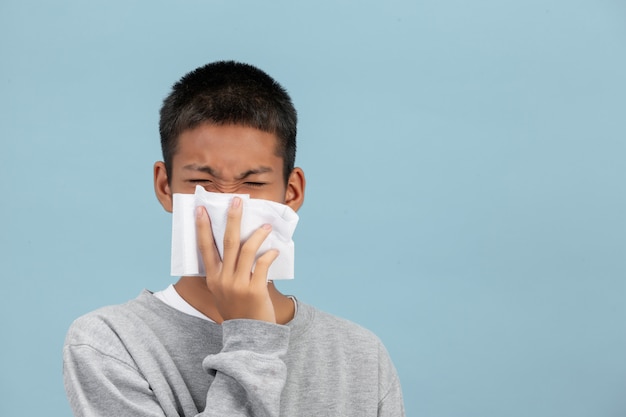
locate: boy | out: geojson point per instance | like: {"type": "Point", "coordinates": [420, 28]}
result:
{"type": "Point", "coordinates": [228, 344]}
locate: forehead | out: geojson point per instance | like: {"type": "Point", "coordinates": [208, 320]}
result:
{"type": "Point", "coordinates": [227, 148]}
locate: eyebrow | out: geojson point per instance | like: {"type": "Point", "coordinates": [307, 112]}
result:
{"type": "Point", "coordinates": [209, 170]}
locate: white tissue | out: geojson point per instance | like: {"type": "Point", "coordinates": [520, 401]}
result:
{"type": "Point", "coordinates": [186, 259]}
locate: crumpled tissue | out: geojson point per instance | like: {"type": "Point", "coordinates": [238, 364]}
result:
{"type": "Point", "coordinates": [186, 258]}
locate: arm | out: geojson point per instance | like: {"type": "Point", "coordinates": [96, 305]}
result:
{"type": "Point", "coordinates": [249, 372]}
{"type": "Point", "coordinates": [391, 403]}
{"type": "Point", "coordinates": [98, 384]}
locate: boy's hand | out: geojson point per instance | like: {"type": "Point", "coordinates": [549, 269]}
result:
{"type": "Point", "coordinates": [238, 293]}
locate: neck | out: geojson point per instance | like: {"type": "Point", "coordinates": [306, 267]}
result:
{"type": "Point", "coordinates": [195, 291]}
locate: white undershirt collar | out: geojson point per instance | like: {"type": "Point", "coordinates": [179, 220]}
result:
{"type": "Point", "coordinates": [171, 297]}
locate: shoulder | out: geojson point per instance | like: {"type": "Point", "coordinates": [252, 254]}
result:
{"type": "Point", "coordinates": [93, 328]}
{"type": "Point", "coordinates": [338, 331]}
{"type": "Point", "coordinates": [366, 351]}
{"type": "Point", "coordinates": [103, 329]}
{"type": "Point", "coordinates": [333, 322]}
{"type": "Point", "coordinates": [345, 344]}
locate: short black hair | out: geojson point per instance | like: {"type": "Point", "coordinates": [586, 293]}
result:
{"type": "Point", "coordinates": [229, 92]}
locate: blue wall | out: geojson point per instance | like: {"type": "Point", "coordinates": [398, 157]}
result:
{"type": "Point", "coordinates": [466, 183]}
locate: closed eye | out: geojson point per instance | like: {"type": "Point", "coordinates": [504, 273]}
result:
{"type": "Point", "coordinates": [254, 184]}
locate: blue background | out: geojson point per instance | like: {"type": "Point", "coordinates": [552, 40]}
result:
{"type": "Point", "coordinates": [466, 183]}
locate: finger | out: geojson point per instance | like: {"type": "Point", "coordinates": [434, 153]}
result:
{"type": "Point", "coordinates": [206, 242]}
{"type": "Point", "coordinates": [259, 277]}
{"type": "Point", "coordinates": [232, 235]}
{"type": "Point", "coordinates": [250, 248]}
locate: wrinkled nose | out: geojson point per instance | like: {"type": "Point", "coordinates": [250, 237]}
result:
{"type": "Point", "coordinates": [226, 188]}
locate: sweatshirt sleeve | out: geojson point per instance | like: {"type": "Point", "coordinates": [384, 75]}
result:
{"type": "Point", "coordinates": [248, 374]}
{"type": "Point", "coordinates": [391, 403]}
{"type": "Point", "coordinates": [249, 370]}
{"type": "Point", "coordinates": [100, 385]}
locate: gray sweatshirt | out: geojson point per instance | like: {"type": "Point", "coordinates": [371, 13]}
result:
{"type": "Point", "coordinates": [145, 358]}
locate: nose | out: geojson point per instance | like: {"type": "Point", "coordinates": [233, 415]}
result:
{"type": "Point", "coordinates": [226, 189]}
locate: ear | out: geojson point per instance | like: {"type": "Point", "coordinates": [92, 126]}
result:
{"type": "Point", "coordinates": [162, 186]}
{"type": "Point", "coordinates": [294, 194]}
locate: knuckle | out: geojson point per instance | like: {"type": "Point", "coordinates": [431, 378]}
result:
{"type": "Point", "coordinates": [230, 242]}
{"type": "Point", "coordinates": [248, 250]}
{"type": "Point", "coordinates": [202, 244]}
{"type": "Point", "coordinates": [264, 262]}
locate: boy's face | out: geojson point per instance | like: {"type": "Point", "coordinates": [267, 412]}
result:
{"type": "Point", "coordinates": [228, 159]}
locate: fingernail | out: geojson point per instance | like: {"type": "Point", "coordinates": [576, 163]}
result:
{"type": "Point", "coordinates": [267, 226]}
{"type": "Point", "coordinates": [236, 202]}
{"type": "Point", "coordinates": [199, 212]}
